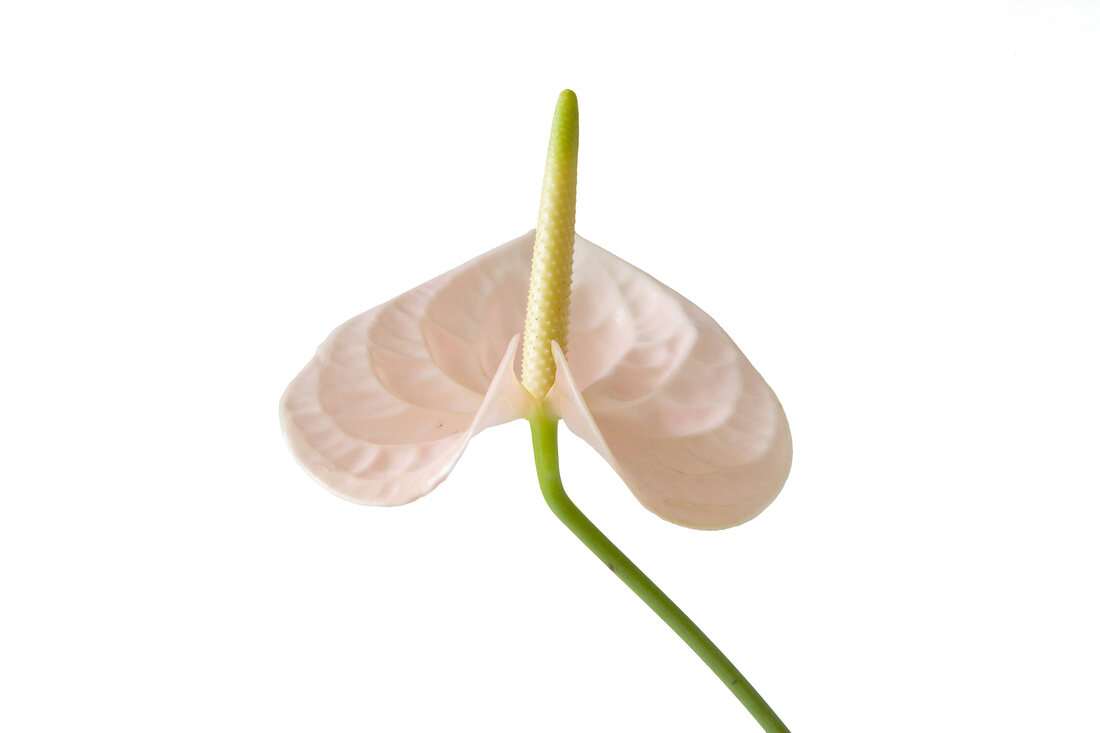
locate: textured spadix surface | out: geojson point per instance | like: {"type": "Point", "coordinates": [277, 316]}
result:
{"type": "Point", "coordinates": [386, 407]}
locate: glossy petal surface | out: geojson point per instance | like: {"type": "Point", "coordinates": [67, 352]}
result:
{"type": "Point", "coordinates": [658, 388]}
{"type": "Point", "coordinates": [386, 407]}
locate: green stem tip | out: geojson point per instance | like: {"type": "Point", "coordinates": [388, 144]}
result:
{"type": "Point", "coordinates": [544, 435]}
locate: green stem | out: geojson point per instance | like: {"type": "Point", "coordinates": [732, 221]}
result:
{"type": "Point", "coordinates": [544, 434]}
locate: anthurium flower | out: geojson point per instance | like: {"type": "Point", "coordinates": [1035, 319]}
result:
{"type": "Point", "coordinates": [386, 407]}
{"type": "Point", "coordinates": [391, 399]}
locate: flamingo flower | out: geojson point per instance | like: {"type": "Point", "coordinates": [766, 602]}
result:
{"type": "Point", "coordinates": [386, 407]}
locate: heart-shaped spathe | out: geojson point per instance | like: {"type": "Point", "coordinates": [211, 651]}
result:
{"type": "Point", "coordinates": [384, 410]}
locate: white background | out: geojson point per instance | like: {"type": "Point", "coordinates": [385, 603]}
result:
{"type": "Point", "coordinates": [891, 207]}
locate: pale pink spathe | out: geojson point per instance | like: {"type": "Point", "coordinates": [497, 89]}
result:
{"type": "Point", "coordinates": [388, 404]}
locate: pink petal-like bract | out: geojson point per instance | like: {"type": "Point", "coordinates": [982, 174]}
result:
{"type": "Point", "coordinates": [386, 407]}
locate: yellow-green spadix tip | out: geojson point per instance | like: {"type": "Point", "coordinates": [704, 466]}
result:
{"type": "Point", "coordinates": [552, 263]}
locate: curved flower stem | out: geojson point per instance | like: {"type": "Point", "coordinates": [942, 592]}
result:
{"type": "Point", "coordinates": [544, 434]}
